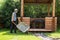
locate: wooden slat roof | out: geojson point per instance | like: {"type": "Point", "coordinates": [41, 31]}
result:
{"type": "Point", "coordinates": [37, 1]}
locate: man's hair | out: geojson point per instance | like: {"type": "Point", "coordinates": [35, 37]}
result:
{"type": "Point", "coordinates": [15, 9]}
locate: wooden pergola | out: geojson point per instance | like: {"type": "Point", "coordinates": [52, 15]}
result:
{"type": "Point", "coordinates": [50, 22]}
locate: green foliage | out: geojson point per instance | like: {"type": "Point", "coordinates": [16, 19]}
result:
{"type": "Point", "coordinates": [31, 10]}
{"type": "Point", "coordinates": [34, 11]}
{"type": "Point", "coordinates": [7, 10]}
{"type": "Point", "coordinates": [2, 3]}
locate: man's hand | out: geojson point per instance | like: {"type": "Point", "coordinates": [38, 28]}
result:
{"type": "Point", "coordinates": [14, 23]}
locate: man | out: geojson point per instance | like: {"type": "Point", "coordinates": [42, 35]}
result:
{"type": "Point", "coordinates": [13, 21]}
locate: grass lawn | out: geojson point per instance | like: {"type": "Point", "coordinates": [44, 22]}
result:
{"type": "Point", "coordinates": [6, 35]}
{"type": "Point", "coordinates": [54, 34]}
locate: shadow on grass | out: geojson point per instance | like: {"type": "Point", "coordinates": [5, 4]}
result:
{"type": "Point", "coordinates": [3, 30]}
{"type": "Point", "coordinates": [7, 32]}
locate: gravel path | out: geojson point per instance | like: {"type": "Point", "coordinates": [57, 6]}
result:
{"type": "Point", "coordinates": [44, 37]}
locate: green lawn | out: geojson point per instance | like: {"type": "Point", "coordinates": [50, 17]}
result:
{"type": "Point", "coordinates": [6, 35]}
{"type": "Point", "coordinates": [54, 34]}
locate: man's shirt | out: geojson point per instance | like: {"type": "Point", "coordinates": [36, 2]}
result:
{"type": "Point", "coordinates": [14, 17]}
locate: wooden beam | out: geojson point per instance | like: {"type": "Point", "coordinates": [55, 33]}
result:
{"type": "Point", "coordinates": [22, 8]}
{"type": "Point", "coordinates": [48, 10]}
{"type": "Point", "coordinates": [38, 30]}
{"type": "Point", "coordinates": [53, 12]}
{"type": "Point", "coordinates": [37, 1]}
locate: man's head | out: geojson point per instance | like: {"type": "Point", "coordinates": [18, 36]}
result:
{"type": "Point", "coordinates": [16, 10]}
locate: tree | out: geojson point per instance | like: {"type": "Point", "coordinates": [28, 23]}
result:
{"type": "Point", "coordinates": [7, 10]}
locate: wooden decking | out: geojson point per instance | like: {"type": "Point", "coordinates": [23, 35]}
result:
{"type": "Point", "coordinates": [39, 30]}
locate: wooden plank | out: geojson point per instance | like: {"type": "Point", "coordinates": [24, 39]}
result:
{"type": "Point", "coordinates": [51, 24]}
{"type": "Point", "coordinates": [25, 19]}
{"type": "Point", "coordinates": [48, 23]}
{"type": "Point", "coordinates": [54, 23]}
{"type": "Point", "coordinates": [37, 1]}
{"type": "Point", "coordinates": [37, 19]}
{"type": "Point", "coordinates": [39, 30]}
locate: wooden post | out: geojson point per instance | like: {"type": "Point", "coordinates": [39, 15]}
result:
{"type": "Point", "coordinates": [22, 8]}
{"type": "Point", "coordinates": [53, 13]}
{"type": "Point", "coordinates": [48, 10]}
